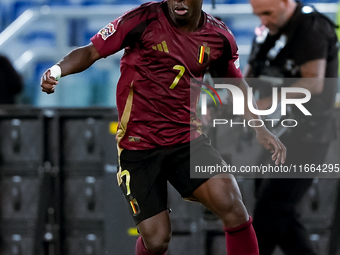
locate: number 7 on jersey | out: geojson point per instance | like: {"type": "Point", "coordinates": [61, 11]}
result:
{"type": "Point", "coordinates": [181, 70]}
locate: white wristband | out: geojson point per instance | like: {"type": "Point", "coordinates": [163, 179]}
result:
{"type": "Point", "coordinates": [55, 72]}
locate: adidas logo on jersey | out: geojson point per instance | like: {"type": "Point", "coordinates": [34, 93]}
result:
{"type": "Point", "coordinates": [161, 47]}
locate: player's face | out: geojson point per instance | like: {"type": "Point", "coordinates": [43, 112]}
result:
{"type": "Point", "coordinates": [185, 11]}
{"type": "Point", "coordinates": [271, 12]}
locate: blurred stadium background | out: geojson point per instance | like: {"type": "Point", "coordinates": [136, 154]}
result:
{"type": "Point", "coordinates": [58, 186]}
{"type": "Point", "coordinates": [37, 33]}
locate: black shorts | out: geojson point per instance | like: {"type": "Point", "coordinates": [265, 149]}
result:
{"type": "Point", "coordinates": [144, 174]}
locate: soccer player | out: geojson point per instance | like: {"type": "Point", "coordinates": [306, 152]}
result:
{"type": "Point", "coordinates": [166, 44]}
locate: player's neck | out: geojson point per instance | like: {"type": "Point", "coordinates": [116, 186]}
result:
{"type": "Point", "coordinates": [190, 25]}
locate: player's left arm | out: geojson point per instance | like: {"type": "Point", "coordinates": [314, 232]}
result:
{"type": "Point", "coordinates": [263, 135]}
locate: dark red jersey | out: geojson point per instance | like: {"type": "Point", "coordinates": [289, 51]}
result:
{"type": "Point", "coordinates": [155, 100]}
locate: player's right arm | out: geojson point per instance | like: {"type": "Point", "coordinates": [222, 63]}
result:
{"type": "Point", "coordinates": [122, 32]}
{"type": "Point", "coordinates": [76, 61]}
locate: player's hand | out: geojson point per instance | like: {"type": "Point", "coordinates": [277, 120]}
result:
{"type": "Point", "coordinates": [48, 83]}
{"type": "Point", "coordinates": [273, 144]}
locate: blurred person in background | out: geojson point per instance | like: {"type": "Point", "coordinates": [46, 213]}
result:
{"type": "Point", "coordinates": [10, 81]}
{"type": "Point", "coordinates": [10, 86]}
{"type": "Point", "coordinates": [293, 41]}
{"type": "Point", "coordinates": [167, 44]}
{"type": "Point", "coordinates": [338, 29]}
